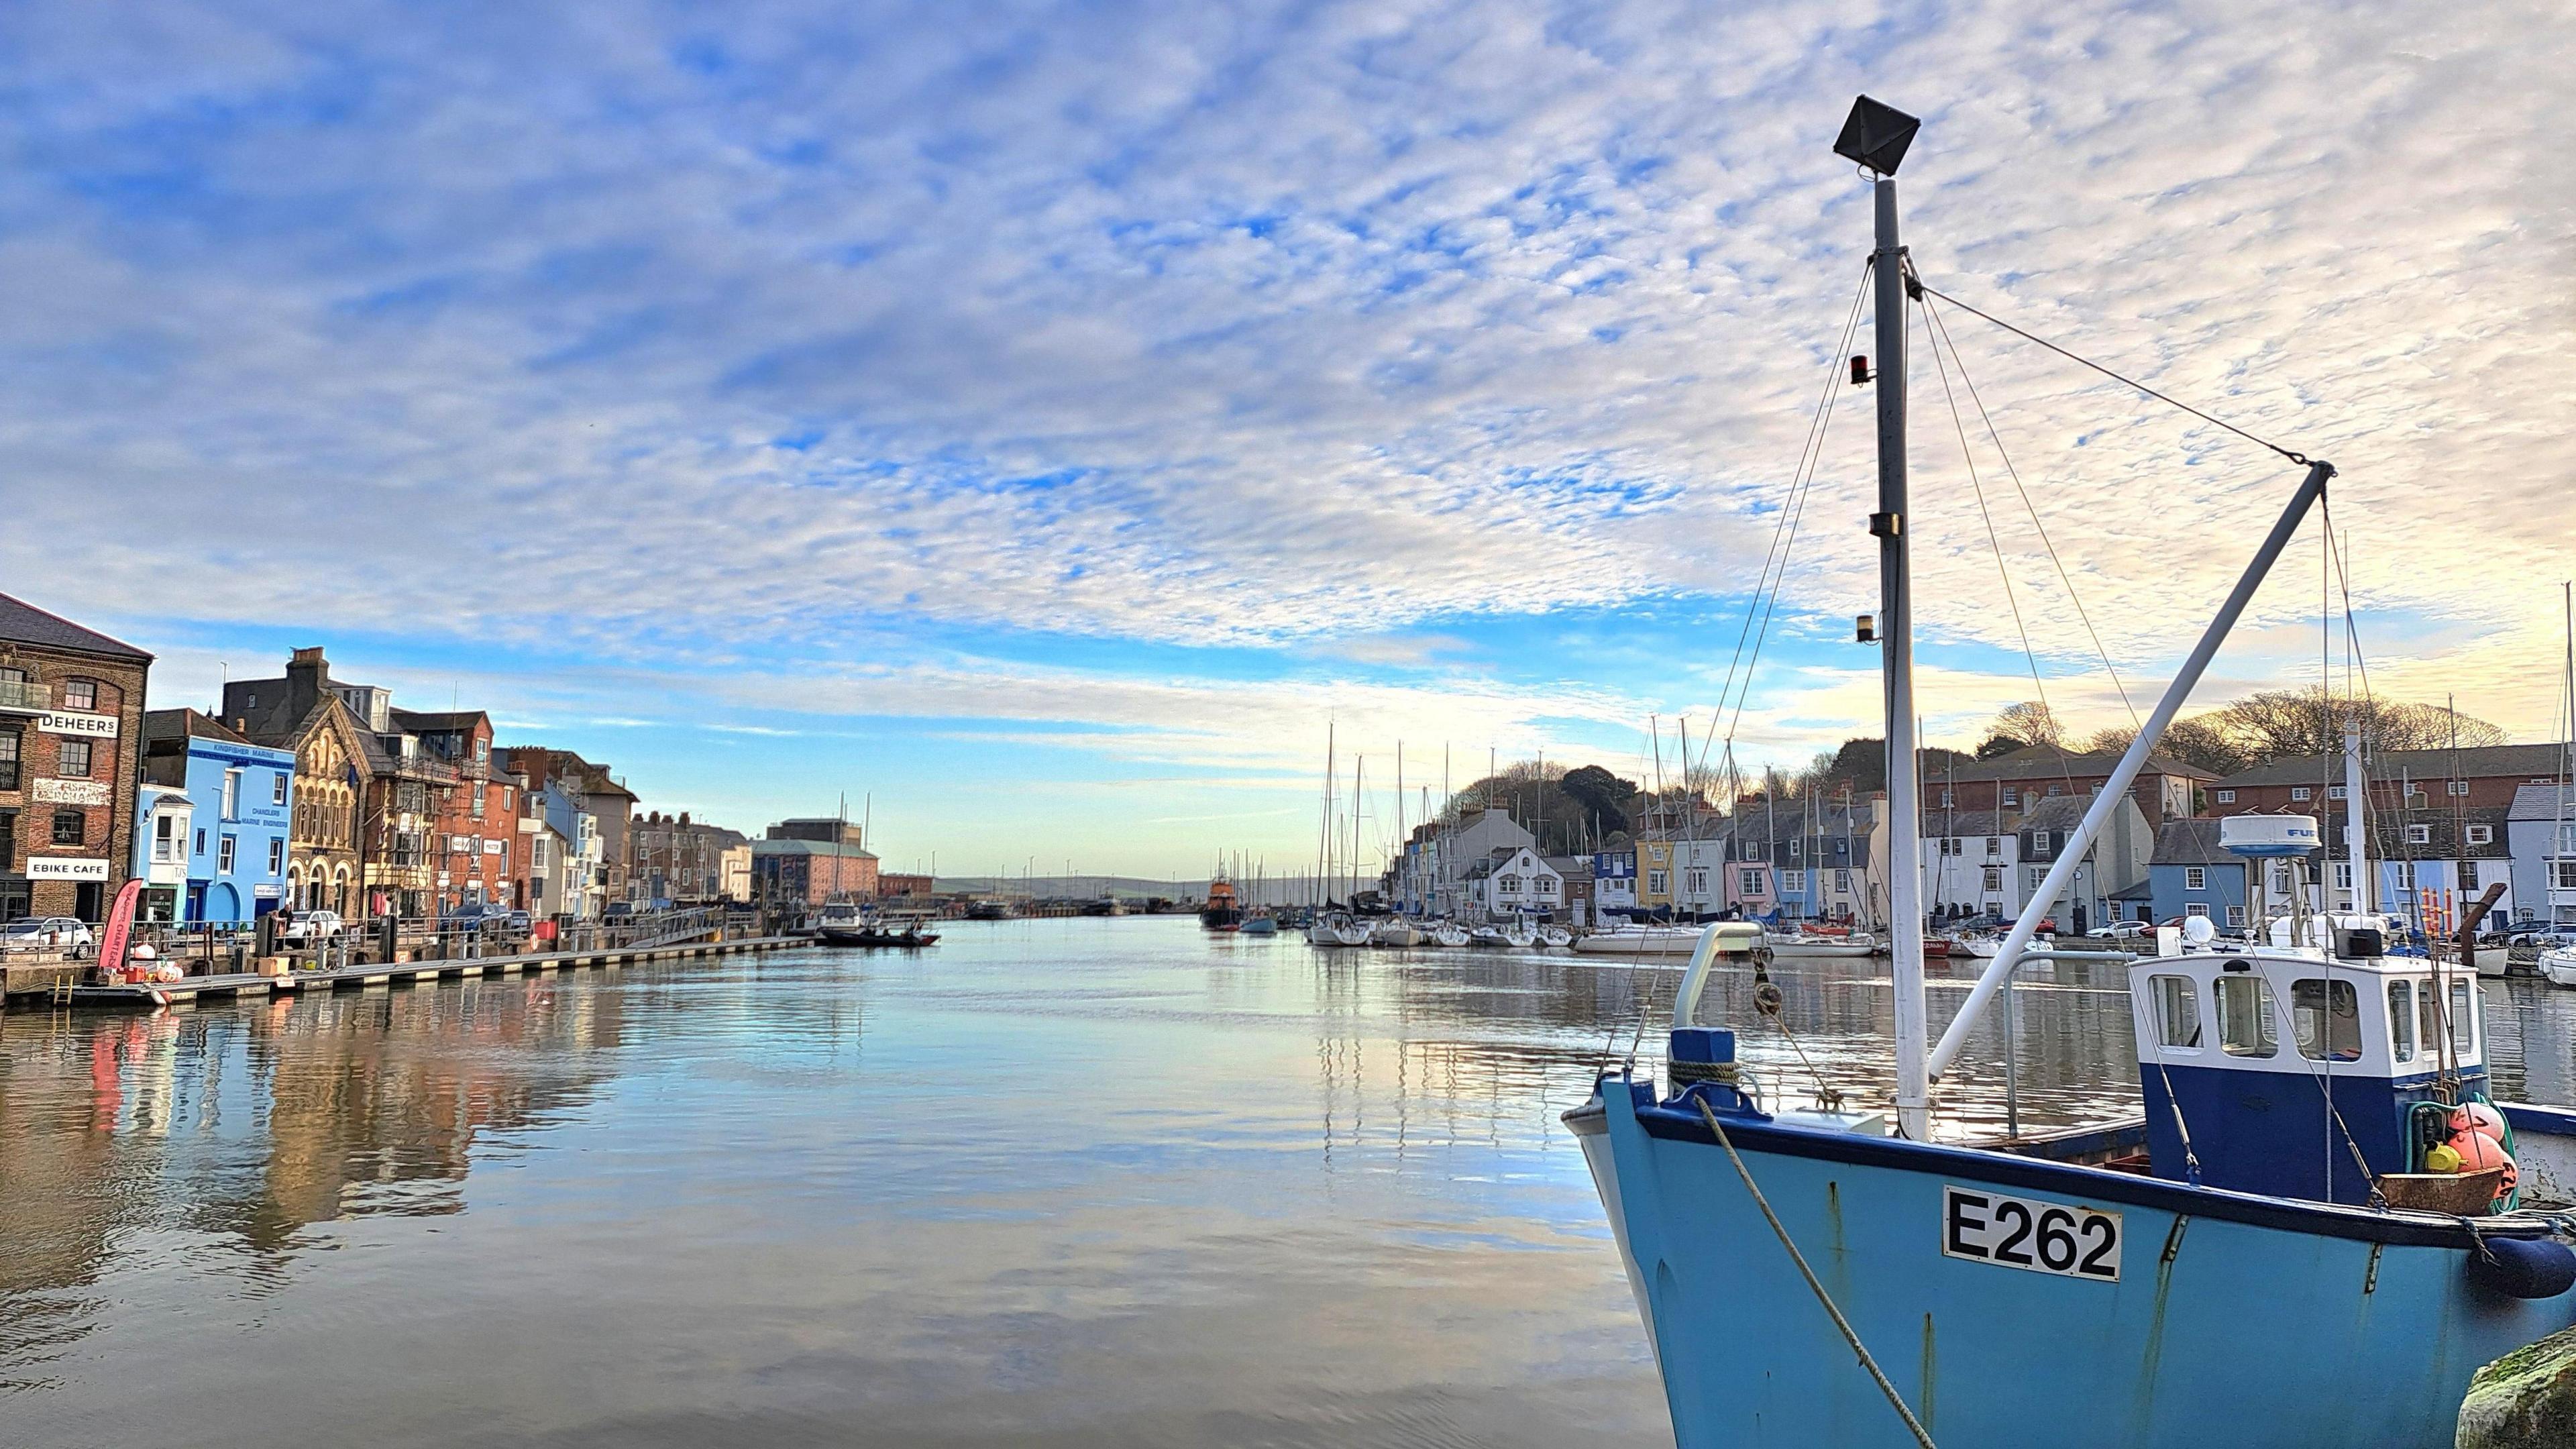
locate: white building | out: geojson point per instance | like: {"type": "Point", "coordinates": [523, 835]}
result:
{"type": "Point", "coordinates": [1514, 880]}
{"type": "Point", "coordinates": [163, 816]}
{"type": "Point", "coordinates": [1971, 859]}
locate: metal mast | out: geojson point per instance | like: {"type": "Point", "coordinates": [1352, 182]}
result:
{"type": "Point", "coordinates": [1876, 136]}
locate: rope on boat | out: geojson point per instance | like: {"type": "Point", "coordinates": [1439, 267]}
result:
{"type": "Point", "coordinates": [1893, 1397]}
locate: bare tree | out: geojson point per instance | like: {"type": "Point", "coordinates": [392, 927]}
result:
{"type": "Point", "coordinates": [2019, 726]}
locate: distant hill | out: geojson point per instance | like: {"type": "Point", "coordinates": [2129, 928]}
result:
{"type": "Point", "coordinates": [1124, 887]}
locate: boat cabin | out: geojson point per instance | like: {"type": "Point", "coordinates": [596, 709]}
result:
{"type": "Point", "coordinates": [2256, 1053]}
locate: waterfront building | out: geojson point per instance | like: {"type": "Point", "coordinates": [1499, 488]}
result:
{"type": "Point", "coordinates": [2015, 784]}
{"type": "Point", "coordinates": [71, 722]}
{"type": "Point", "coordinates": [602, 796]}
{"type": "Point", "coordinates": [1655, 875]}
{"type": "Point", "coordinates": [574, 879]}
{"type": "Point", "coordinates": [1614, 879]}
{"type": "Point", "coordinates": [894, 886]}
{"type": "Point", "coordinates": [473, 837]}
{"type": "Point", "coordinates": [1514, 880]}
{"type": "Point", "coordinates": [676, 860]}
{"type": "Point", "coordinates": [299, 712]}
{"type": "Point", "coordinates": [549, 887]}
{"type": "Point", "coordinates": [233, 854]}
{"type": "Point", "coordinates": [1574, 875]}
{"type": "Point", "coordinates": [2483, 777]}
{"type": "Point", "coordinates": [788, 870]}
{"type": "Point", "coordinates": [2119, 859]}
{"type": "Point", "coordinates": [162, 815]}
{"type": "Point", "coordinates": [2541, 829]}
{"type": "Point", "coordinates": [1971, 864]}
{"type": "Point", "coordinates": [2454, 854]}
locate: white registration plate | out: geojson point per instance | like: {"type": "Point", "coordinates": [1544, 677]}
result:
{"type": "Point", "coordinates": [2017, 1232]}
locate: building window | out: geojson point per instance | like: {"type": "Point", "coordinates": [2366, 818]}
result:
{"type": "Point", "coordinates": [478, 804]}
{"type": "Point", "coordinates": [1842, 881]}
{"type": "Point", "coordinates": [75, 760]}
{"type": "Point", "coordinates": [2468, 875]}
{"type": "Point", "coordinates": [1798, 849]}
{"type": "Point", "coordinates": [2225, 797]}
{"type": "Point", "coordinates": [8, 759]}
{"type": "Point", "coordinates": [80, 694]}
{"type": "Point", "coordinates": [1994, 877]}
{"type": "Point", "coordinates": [2419, 835]}
{"type": "Point", "coordinates": [71, 827]}
{"type": "Point", "coordinates": [1796, 880]}
{"type": "Point", "coordinates": [2459, 787]}
{"type": "Point", "coordinates": [2197, 908]}
{"type": "Point", "coordinates": [2012, 797]}
{"type": "Point", "coordinates": [1750, 882]}
{"type": "Point", "coordinates": [232, 794]}
{"type": "Point", "coordinates": [1949, 845]}
{"type": "Point", "coordinates": [2343, 875]}
{"type": "Point", "coordinates": [165, 836]}
{"type": "Point", "coordinates": [2334, 792]}
{"type": "Point", "coordinates": [2236, 915]}
{"type": "Point", "coordinates": [276, 856]}
{"type": "Point", "coordinates": [1994, 847]}
{"type": "Point", "coordinates": [2195, 878]}
{"type": "Point", "coordinates": [2038, 876]}
{"type": "Point", "coordinates": [200, 847]}
{"type": "Point", "coordinates": [2481, 835]}
{"type": "Point", "coordinates": [2040, 841]}
{"type": "Point", "coordinates": [1945, 797]}
{"type": "Point", "coordinates": [2300, 792]}
{"type": "Point", "coordinates": [1509, 885]}
{"type": "Point", "coordinates": [277, 788]}
{"type": "Point", "coordinates": [1697, 881]}
{"type": "Point", "coordinates": [1656, 882]}
{"type": "Point", "coordinates": [2402, 872]}
{"type": "Point", "coordinates": [224, 857]}
{"type": "Point", "coordinates": [2056, 790]}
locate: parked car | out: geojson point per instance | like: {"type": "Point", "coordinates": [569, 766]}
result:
{"type": "Point", "coordinates": [618, 911]}
{"type": "Point", "coordinates": [517, 923]}
{"type": "Point", "coordinates": [47, 933]}
{"type": "Point", "coordinates": [308, 928]}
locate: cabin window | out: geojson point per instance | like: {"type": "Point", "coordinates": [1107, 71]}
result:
{"type": "Point", "coordinates": [2325, 1016]}
{"type": "Point", "coordinates": [2245, 1016]}
{"type": "Point", "coordinates": [2464, 1017]}
{"type": "Point", "coordinates": [2177, 1011]}
{"type": "Point", "coordinates": [2401, 1020]}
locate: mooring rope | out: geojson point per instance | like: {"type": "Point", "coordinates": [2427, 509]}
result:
{"type": "Point", "coordinates": [1893, 1397]}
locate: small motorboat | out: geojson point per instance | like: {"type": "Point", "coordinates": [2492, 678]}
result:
{"type": "Point", "coordinates": [1804, 945]}
{"type": "Point", "coordinates": [842, 923]}
{"type": "Point", "coordinates": [1260, 924]}
{"type": "Point", "coordinates": [2557, 965]}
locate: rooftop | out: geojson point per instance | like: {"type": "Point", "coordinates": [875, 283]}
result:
{"type": "Point", "coordinates": [2045, 762]}
{"type": "Point", "coordinates": [24, 623]}
{"type": "Point", "coordinates": [2531, 762]}
{"type": "Point", "coordinates": [811, 847]}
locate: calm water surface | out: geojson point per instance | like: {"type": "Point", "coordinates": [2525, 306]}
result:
{"type": "Point", "coordinates": [1094, 1182]}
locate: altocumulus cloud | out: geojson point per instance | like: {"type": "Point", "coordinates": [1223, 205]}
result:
{"type": "Point", "coordinates": [634, 332]}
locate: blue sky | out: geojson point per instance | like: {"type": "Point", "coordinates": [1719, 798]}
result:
{"type": "Point", "coordinates": [1048, 423]}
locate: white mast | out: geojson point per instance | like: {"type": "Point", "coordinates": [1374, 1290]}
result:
{"type": "Point", "coordinates": [2356, 826]}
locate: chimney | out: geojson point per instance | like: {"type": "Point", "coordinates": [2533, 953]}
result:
{"type": "Point", "coordinates": [307, 674]}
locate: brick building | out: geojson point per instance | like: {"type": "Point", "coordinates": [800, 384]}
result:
{"type": "Point", "coordinates": [786, 871]}
{"type": "Point", "coordinates": [304, 712]}
{"type": "Point", "coordinates": [2400, 780]}
{"type": "Point", "coordinates": [475, 846]}
{"type": "Point", "coordinates": [2016, 784]}
{"type": "Point", "coordinates": [893, 886]}
{"type": "Point", "coordinates": [597, 794]}
{"type": "Point", "coordinates": [71, 738]}
{"type": "Point", "coordinates": [678, 860]}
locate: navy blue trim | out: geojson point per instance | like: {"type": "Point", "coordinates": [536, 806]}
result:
{"type": "Point", "coordinates": [2539, 1120]}
{"type": "Point", "coordinates": [1681, 1123]}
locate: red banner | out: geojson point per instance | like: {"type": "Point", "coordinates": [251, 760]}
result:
{"type": "Point", "coordinates": [120, 929]}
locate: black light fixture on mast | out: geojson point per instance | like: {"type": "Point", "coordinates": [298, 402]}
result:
{"type": "Point", "coordinates": [1875, 135]}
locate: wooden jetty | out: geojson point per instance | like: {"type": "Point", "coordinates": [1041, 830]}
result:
{"type": "Point", "coordinates": [187, 990]}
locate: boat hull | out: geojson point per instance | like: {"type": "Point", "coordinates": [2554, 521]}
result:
{"type": "Point", "coordinates": [1651, 941]}
{"type": "Point", "coordinates": [2235, 1320]}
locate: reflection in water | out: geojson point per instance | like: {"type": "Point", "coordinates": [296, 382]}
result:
{"type": "Point", "coordinates": [1090, 1182]}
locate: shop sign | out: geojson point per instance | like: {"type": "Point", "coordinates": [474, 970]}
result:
{"type": "Point", "coordinates": [65, 867]}
{"type": "Point", "coordinates": [269, 892]}
{"type": "Point", "coordinates": [71, 792]}
{"type": "Point", "coordinates": [77, 722]}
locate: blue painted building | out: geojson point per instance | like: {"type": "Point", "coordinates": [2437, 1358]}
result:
{"type": "Point", "coordinates": [243, 817]}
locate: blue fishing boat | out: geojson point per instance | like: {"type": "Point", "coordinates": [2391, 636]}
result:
{"type": "Point", "coordinates": [2313, 1235]}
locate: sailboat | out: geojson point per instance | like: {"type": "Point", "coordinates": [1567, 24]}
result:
{"type": "Point", "coordinates": [2238, 1266]}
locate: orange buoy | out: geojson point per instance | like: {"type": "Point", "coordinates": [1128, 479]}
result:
{"type": "Point", "coordinates": [2478, 1117]}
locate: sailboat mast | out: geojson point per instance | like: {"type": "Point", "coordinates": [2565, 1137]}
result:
{"type": "Point", "coordinates": [1896, 634]}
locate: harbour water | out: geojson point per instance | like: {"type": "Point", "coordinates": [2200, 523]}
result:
{"type": "Point", "coordinates": [1073, 1182]}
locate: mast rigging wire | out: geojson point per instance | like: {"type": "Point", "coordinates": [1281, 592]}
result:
{"type": "Point", "coordinates": [2301, 459]}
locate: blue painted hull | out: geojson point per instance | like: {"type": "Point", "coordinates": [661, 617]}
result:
{"type": "Point", "coordinates": [2237, 1320]}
